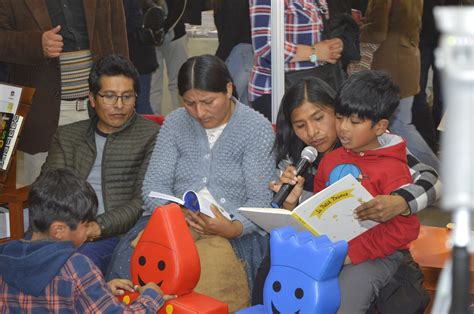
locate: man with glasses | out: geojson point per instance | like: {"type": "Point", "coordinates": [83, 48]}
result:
{"type": "Point", "coordinates": [110, 150]}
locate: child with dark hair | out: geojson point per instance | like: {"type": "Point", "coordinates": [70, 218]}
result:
{"type": "Point", "coordinates": [46, 274]}
{"type": "Point", "coordinates": [363, 108]}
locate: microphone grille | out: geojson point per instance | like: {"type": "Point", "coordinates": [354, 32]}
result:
{"type": "Point", "coordinates": [310, 153]}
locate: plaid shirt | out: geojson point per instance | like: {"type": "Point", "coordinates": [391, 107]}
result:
{"type": "Point", "coordinates": [303, 25]}
{"type": "Point", "coordinates": [78, 288]}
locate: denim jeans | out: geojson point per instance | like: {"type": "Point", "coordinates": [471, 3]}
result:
{"type": "Point", "coordinates": [120, 261]}
{"type": "Point", "coordinates": [240, 63]}
{"type": "Point", "coordinates": [100, 251]}
{"type": "Point", "coordinates": [426, 120]}
{"type": "Point", "coordinates": [143, 105]}
{"type": "Point", "coordinates": [401, 124]}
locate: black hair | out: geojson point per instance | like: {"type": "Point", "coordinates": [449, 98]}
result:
{"type": "Point", "coordinates": [313, 90]}
{"type": "Point", "coordinates": [112, 65]}
{"type": "Point", "coordinates": [371, 95]}
{"type": "Point", "coordinates": [207, 73]}
{"type": "Point", "coordinates": [60, 195]}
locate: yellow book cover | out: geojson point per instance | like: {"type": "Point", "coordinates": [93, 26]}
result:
{"type": "Point", "coordinates": [328, 212]}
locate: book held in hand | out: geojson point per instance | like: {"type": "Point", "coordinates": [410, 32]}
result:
{"type": "Point", "coordinates": [329, 212]}
{"type": "Point", "coordinates": [195, 202]}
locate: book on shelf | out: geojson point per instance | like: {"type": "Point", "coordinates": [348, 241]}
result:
{"type": "Point", "coordinates": [5, 222]}
{"type": "Point", "coordinates": [10, 141]}
{"type": "Point", "coordinates": [329, 212]}
{"type": "Point", "coordinates": [5, 122]}
{"type": "Point", "coordinates": [10, 122]}
{"type": "Point", "coordinates": [194, 201]}
{"type": "Point", "coordinates": [9, 98]}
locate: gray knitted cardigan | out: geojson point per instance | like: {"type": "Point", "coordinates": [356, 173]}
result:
{"type": "Point", "coordinates": [236, 170]}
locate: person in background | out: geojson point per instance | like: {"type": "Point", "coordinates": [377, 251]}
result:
{"type": "Point", "coordinates": [141, 54]}
{"type": "Point", "coordinates": [232, 20]}
{"type": "Point", "coordinates": [111, 151]}
{"type": "Point", "coordinates": [50, 45]}
{"type": "Point", "coordinates": [4, 73]}
{"type": "Point", "coordinates": [305, 45]}
{"type": "Point", "coordinates": [47, 274]}
{"type": "Point", "coordinates": [172, 53]}
{"type": "Point", "coordinates": [394, 28]}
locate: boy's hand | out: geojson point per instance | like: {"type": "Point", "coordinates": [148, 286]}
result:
{"type": "Point", "coordinates": [119, 286]}
{"type": "Point", "coordinates": [289, 177]}
{"type": "Point", "coordinates": [154, 286]}
{"type": "Point", "coordinates": [219, 225]}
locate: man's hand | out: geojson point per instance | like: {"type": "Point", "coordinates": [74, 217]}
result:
{"type": "Point", "coordinates": [119, 286]}
{"type": "Point", "coordinates": [289, 177]}
{"type": "Point", "coordinates": [219, 225]}
{"type": "Point", "coordinates": [381, 208]}
{"type": "Point", "coordinates": [94, 230]}
{"type": "Point", "coordinates": [329, 50]}
{"type": "Point", "coordinates": [52, 43]}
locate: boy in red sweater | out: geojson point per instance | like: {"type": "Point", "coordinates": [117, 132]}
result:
{"type": "Point", "coordinates": [378, 159]}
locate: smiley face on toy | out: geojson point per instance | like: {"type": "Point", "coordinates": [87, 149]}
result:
{"type": "Point", "coordinates": [155, 264]}
{"type": "Point", "coordinates": [166, 254]}
{"type": "Point", "coordinates": [289, 291]}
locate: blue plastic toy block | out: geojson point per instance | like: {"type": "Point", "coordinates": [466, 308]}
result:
{"type": "Point", "coordinates": [303, 277]}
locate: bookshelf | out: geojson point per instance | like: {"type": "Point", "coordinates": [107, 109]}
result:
{"type": "Point", "coordinates": [14, 197]}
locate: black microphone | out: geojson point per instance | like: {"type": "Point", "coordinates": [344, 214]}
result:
{"type": "Point", "coordinates": [308, 156]}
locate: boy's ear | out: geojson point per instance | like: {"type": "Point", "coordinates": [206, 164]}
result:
{"type": "Point", "coordinates": [381, 126]}
{"type": "Point", "coordinates": [59, 231]}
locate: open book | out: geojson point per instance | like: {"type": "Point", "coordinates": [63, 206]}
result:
{"type": "Point", "coordinates": [193, 201]}
{"type": "Point", "coordinates": [328, 212]}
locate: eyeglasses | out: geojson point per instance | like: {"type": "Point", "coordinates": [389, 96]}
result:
{"type": "Point", "coordinates": [111, 99]}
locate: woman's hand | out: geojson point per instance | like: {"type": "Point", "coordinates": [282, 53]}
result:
{"type": "Point", "coordinates": [135, 241]}
{"type": "Point", "coordinates": [119, 286]}
{"type": "Point", "coordinates": [381, 208]}
{"type": "Point", "coordinates": [289, 177]}
{"type": "Point", "coordinates": [219, 225]}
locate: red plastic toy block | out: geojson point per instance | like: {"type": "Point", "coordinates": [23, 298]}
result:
{"type": "Point", "coordinates": [194, 303]}
{"type": "Point", "coordinates": [166, 254]}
